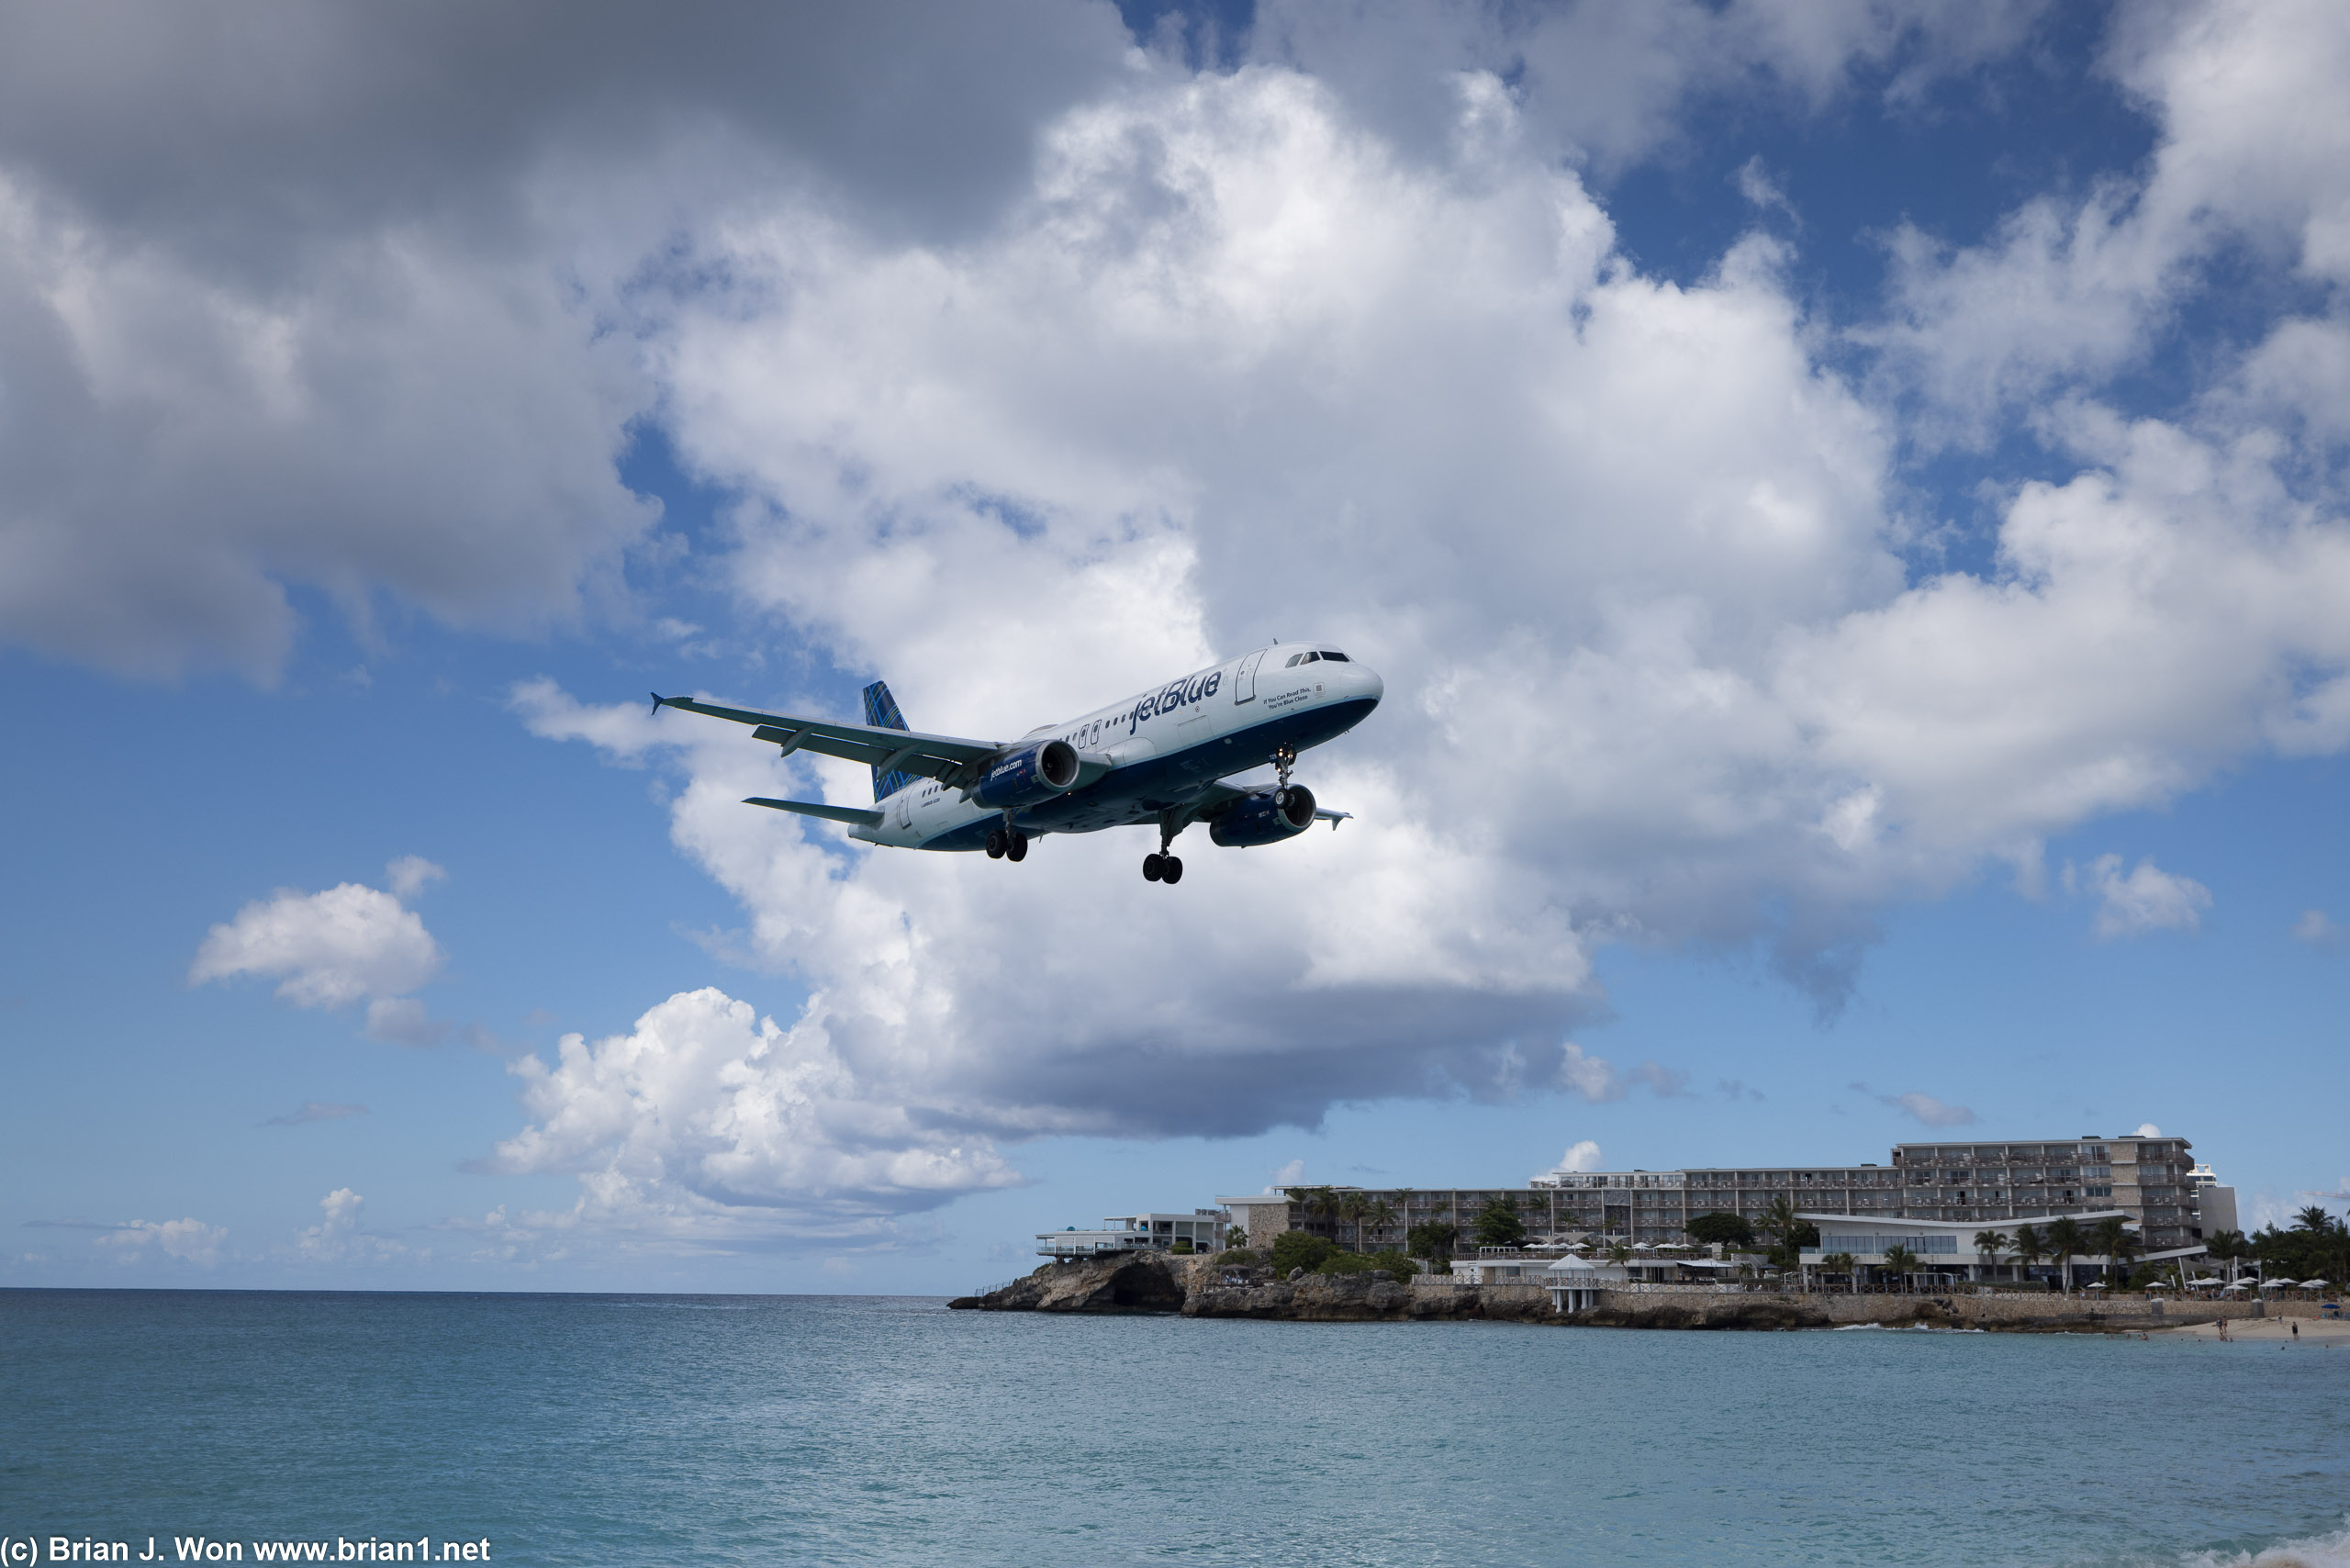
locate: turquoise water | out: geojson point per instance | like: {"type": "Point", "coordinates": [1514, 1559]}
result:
{"type": "Point", "coordinates": [647, 1429]}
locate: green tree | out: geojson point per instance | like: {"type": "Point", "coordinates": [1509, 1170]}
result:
{"type": "Point", "coordinates": [1383, 1215]}
{"type": "Point", "coordinates": [1902, 1263]}
{"type": "Point", "coordinates": [1619, 1253]}
{"type": "Point", "coordinates": [2317, 1246]}
{"type": "Point", "coordinates": [1789, 1232]}
{"type": "Point", "coordinates": [1301, 1249]}
{"type": "Point", "coordinates": [1354, 1208]}
{"type": "Point", "coordinates": [1842, 1263]}
{"type": "Point", "coordinates": [1497, 1223]}
{"type": "Point", "coordinates": [1431, 1238]}
{"type": "Point", "coordinates": [2031, 1247]}
{"type": "Point", "coordinates": [2065, 1240]}
{"type": "Point", "coordinates": [1990, 1244]}
{"type": "Point", "coordinates": [2111, 1239]}
{"type": "Point", "coordinates": [1719, 1229]}
{"type": "Point", "coordinates": [2227, 1247]}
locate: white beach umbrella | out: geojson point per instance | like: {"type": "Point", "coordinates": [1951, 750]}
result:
{"type": "Point", "coordinates": [2312, 1285]}
{"type": "Point", "coordinates": [2274, 1284]}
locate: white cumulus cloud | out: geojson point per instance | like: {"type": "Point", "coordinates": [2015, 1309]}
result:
{"type": "Point", "coordinates": [709, 1123]}
{"type": "Point", "coordinates": [1582, 1154]}
{"type": "Point", "coordinates": [188, 1240]}
{"type": "Point", "coordinates": [346, 945]}
{"type": "Point", "coordinates": [2147, 900]}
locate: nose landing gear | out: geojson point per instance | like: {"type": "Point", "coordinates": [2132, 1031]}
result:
{"type": "Point", "coordinates": [1285, 757]}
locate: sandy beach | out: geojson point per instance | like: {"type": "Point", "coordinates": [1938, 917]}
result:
{"type": "Point", "coordinates": [2327, 1331]}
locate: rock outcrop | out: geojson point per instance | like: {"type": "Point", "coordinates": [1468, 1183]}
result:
{"type": "Point", "coordinates": [1206, 1287]}
{"type": "Point", "coordinates": [1126, 1281]}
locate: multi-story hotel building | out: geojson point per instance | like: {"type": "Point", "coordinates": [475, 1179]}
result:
{"type": "Point", "coordinates": [2146, 1179]}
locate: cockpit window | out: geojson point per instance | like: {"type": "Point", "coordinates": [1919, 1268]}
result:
{"type": "Point", "coordinates": [1292, 661]}
{"type": "Point", "coordinates": [1332, 654]}
{"type": "Point", "coordinates": [1308, 658]}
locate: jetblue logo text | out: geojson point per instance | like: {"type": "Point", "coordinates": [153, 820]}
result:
{"type": "Point", "coordinates": [1182, 693]}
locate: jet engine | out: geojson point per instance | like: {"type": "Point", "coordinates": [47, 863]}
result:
{"type": "Point", "coordinates": [1266, 817]}
{"type": "Point", "coordinates": [1028, 775]}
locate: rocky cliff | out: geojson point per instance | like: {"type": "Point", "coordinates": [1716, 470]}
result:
{"type": "Point", "coordinates": [1202, 1287]}
{"type": "Point", "coordinates": [1197, 1287]}
{"type": "Point", "coordinates": [1126, 1281]}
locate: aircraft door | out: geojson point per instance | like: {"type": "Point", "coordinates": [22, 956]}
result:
{"type": "Point", "coordinates": [1244, 680]}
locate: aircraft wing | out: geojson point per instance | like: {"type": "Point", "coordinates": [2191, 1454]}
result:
{"type": "Point", "coordinates": [893, 751]}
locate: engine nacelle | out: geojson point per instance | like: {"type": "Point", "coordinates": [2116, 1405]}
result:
{"type": "Point", "coordinates": [1266, 817]}
{"type": "Point", "coordinates": [1029, 775]}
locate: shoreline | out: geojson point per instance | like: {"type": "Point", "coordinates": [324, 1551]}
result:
{"type": "Point", "coordinates": [1163, 1284]}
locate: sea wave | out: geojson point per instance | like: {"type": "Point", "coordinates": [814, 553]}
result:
{"type": "Point", "coordinates": [2317, 1552]}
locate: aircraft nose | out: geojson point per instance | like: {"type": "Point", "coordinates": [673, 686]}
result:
{"type": "Point", "coordinates": [1372, 686]}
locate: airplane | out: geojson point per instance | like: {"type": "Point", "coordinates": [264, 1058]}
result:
{"type": "Point", "coordinates": [1161, 757]}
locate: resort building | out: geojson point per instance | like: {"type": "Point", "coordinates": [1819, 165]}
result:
{"type": "Point", "coordinates": [2215, 1206]}
{"type": "Point", "coordinates": [2147, 1180]}
{"type": "Point", "coordinates": [2144, 1177]}
{"type": "Point", "coordinates": [1942, 1246]}
{"type": "Point", "coordinates": [1202, 1230]}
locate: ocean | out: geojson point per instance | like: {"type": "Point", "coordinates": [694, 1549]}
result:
{"type": "Point", "coordinates": [613, 1429]}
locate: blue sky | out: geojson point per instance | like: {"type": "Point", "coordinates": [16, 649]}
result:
{"type": "Point", "coordinates": [1847, 500]}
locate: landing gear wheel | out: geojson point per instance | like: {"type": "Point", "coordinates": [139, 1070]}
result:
{"type": "Point", "coordinates": [1017, 848]}
{"type": "Point", "coordinates": [1154, 866]}
{"type": "Point", "coordinates": [1171, 871]}
{"type": "Point", "coordinates": [996, 845]}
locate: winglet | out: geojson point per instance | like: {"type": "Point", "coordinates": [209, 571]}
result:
{"type": "Point", "coordinates": [657, 700]}
{"type": "Point", "coordinates": [1334, 818]}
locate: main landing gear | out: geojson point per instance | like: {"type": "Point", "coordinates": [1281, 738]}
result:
{"type": "Point", "coordinates": [1007, 844]}
{"type": "Point", "coordinates": [1163, 867]}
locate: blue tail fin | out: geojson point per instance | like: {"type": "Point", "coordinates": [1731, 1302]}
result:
{"type": "Point", "coordinates": [881, 711]}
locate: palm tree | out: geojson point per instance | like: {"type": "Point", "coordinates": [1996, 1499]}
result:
{"type": "Point", "coordinates": [2030, 1247]}
{"type": "Point", "coordinates": [2227, 1247]}
{"type": "Point", "coordinates": [1352, 1208]}
{"type": "Point", "coordinates": [2065, 1240]}
{"type": "Point", "coordinates": [1990, 1244]}
{"type": "Point", "coordinates": [1841, 1263]}
{"type": "Point", "coordinates": [1902, 1261]}
{"type": "Point", "coordinates": [2108, 1237]}
{"type": "Point", "coordinates": [1383, 1215]}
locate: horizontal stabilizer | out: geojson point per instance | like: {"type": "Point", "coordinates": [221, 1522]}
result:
{"type": "Point", "coordinates": [853, 815]}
